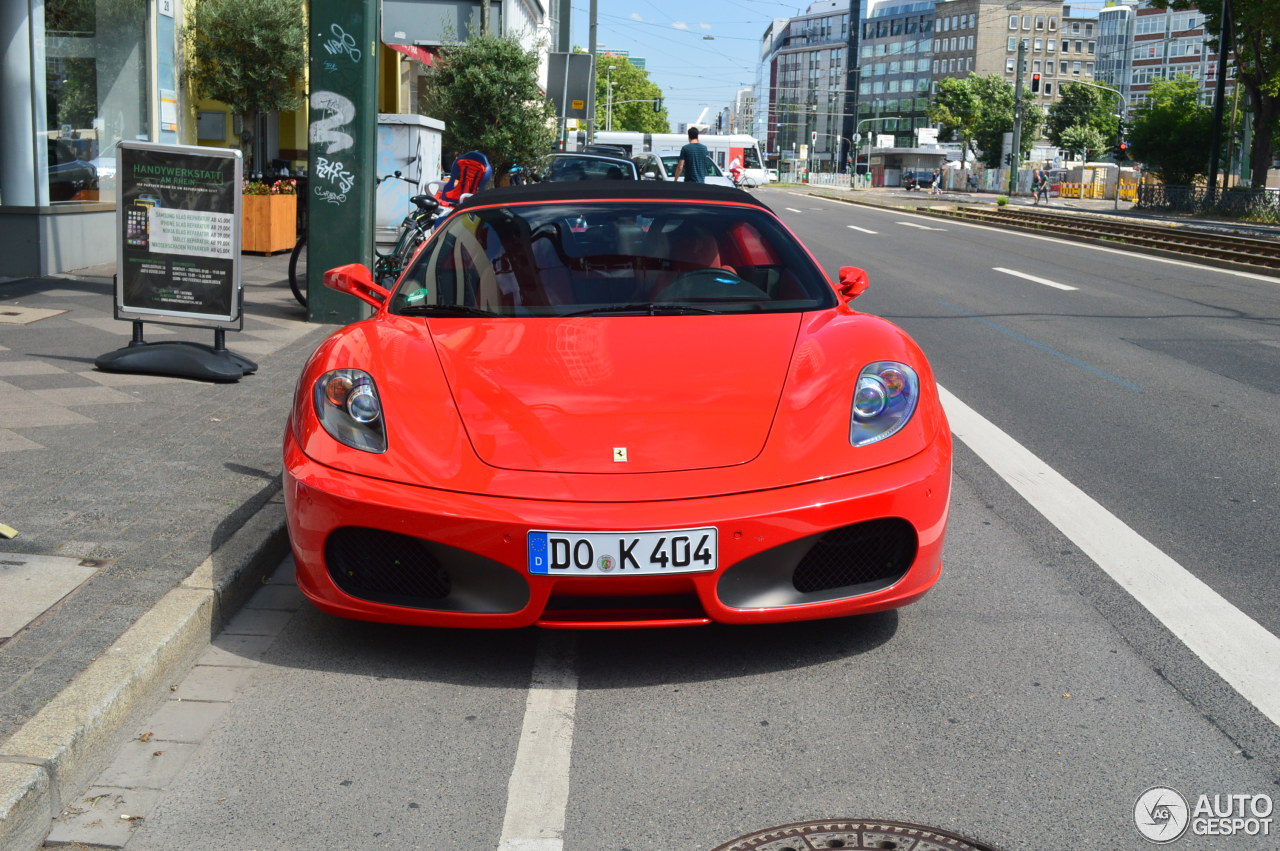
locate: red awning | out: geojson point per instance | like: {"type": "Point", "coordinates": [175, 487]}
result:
{"type": "Point", "coordinates": [425, 55]}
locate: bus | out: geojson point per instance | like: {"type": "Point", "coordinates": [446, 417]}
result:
{"type": "Point", "coordinates": [724, 149]}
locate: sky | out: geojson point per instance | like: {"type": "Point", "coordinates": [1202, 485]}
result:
{"type": "Point", "coordinates": [692, 70]}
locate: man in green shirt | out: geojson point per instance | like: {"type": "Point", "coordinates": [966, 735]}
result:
{"type": "Point", "coordinates": [693, 160]}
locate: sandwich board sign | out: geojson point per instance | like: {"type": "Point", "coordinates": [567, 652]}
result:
{"type": "Point", "coordinates": [178, 257]}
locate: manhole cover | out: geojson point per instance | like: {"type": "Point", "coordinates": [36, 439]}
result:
{"type": "Point", "coordinates": [853, 835]}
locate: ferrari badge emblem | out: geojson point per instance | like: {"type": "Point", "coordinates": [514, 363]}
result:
{"type": "Point", "coordinates": [620, 454]}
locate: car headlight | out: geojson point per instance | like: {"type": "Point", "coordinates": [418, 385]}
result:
{"type": "Point", "coordinates": [883, 401]}
{"type": "Point", "coordinates": [347, 405]}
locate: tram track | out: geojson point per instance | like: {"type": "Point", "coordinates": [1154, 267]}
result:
{"type": "Point", "coordinates": [1172, 240]}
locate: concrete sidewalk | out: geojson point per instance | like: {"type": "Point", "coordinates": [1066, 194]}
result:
{"type": "Point", "coordinates": [142, 504]}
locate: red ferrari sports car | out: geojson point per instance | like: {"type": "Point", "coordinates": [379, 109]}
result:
{"type": "Point", "coordinates": [607, 404]}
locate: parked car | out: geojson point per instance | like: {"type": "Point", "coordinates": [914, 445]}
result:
{"type": "Point", "coordinates": [661, 165]}
{"type": "Point", "coordinates": [68, 174]}
{"type": "Point", "coordinates": [580, 166]}
{"type": "Point", "coordinates": [593, 405]}
{"type": "Point", "coordinates": [917, 179]}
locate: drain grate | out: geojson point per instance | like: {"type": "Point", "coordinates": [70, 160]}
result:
{"type": "Point", "coordinates": [853, 835]}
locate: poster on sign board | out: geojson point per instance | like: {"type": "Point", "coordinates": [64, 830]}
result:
{"type": "Point", "coordinates": [178, 231]}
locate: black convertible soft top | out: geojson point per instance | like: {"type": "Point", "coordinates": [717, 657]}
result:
{"type": "Point", "coordinates": [604, 190]}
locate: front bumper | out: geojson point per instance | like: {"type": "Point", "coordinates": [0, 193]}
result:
{"type": "Point", "coordinates": [382, 551]}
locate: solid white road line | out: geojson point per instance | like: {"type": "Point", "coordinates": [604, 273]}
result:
{"type": "Point", "coordinates": [864, 230]}
{"type": "Point", "coordinates": [914, 225]}
{"type": "Point", "coordinates": [1230, 642]}
{"type": "Point", "coordinates": [1044, 281]}
{"type": "Point", "coordinates": [538, 792]}
{"type": "Point", "coordinates": [793, 209]}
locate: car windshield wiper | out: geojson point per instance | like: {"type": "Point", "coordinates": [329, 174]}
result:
{"type": "Point", "coordinates": [649, 307]}
{"type": "Point", "coordinates": [444, 310]}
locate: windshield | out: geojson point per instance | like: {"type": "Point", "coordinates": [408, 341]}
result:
{"type": "Point", "coordinates": [669, 163]}
{"type": "Point", "coordinates": [618, 258]}
{"type": "Point", "coordinates": [587, 168]}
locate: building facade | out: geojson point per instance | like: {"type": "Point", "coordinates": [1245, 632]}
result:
{"type": "Point", "coordinates": [896, 64]}
{"type": "Point", "coordinates": [809, 100]}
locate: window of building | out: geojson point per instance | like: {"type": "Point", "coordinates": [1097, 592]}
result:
{"type": "Point", "coordinates": [1026, 22]}
{"type": "Point", "coordinates": [1013, 22]}
{"type": "Point", "coordinates": [970, 43]}
{"type": "Point", "coordinates": [1075, 69]}
{"type": "Point", "coordinates": [1052, 46]}
{"type": "Point", "coordinates": [1009, 65]}
{"type": "Point", "coordinates": [1039, 44]}
{"type": "Point", "coordinates": [96, 93]}
{"type": "Point", "coordinates": [1053, 23]}
{"type": "Point", "coordinates": [1048, 88]}
{"type": "Point", "coordinates": [1035, 66]}
{"type": "Point", "coordinates": [1093, 47]}
{"type": "Point", "coordinates": [1013, 43]}
{"type": "Point", "coordinates": [1039, 22]}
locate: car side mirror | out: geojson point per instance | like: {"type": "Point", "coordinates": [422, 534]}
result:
{"type": "Point", "coordinates": [356, 279]}
{"type": "Point", "coordinates": [853, 282]}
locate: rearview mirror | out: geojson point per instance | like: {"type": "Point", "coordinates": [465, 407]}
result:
{"type": "Point", "coordinates": [853, 282]}
{"type": "Point", "coordinates": [356, 279]}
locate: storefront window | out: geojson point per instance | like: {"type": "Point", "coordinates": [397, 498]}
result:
{"type": "Point", "coordinates": [95, 93]}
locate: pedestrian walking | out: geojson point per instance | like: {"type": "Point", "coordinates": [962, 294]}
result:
{"type": "Point", "coordinates": [1037, 179]}
{"type": "Point", "coordinates": [693, 160]}
{"type": "Point", "coordinates": [1044, 186]}
{"type": "Point", "coordinates": [936, 189]}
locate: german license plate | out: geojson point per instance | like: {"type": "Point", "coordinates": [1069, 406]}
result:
{"type": "Point", "coordinates": [622, 553]}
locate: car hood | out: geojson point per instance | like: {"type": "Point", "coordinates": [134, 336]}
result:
{"type": "Point", "coordinates": [626, 394]}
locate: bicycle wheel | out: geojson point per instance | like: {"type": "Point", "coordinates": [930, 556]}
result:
{"type": "Point", "coordinates": [298, 270]}
{"type": "Point", "coordinates": [749, 183]}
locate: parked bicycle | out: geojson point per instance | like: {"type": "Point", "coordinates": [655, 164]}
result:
{"type": "Point", "coordinates": [414, 230]}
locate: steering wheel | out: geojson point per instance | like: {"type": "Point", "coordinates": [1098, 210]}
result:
{"type": "Point", "coordinates": [711, 283]}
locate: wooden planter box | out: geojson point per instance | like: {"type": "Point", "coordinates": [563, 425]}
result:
{"type": "Point", "coordinates": [269, 223]}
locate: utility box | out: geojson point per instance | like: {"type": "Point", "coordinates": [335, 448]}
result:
{"type": "Point", "coordinates": [411, 145]}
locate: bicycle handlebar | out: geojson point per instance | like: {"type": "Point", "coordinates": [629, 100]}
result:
{"type": "Point", "coordinates": [397, 175]}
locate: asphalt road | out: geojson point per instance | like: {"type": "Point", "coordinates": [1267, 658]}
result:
{"type": "Point", "coordinates": [1027, 701]}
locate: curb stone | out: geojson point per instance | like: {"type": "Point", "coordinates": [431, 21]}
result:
{"type": "Point", "coordinates": [58, 752]}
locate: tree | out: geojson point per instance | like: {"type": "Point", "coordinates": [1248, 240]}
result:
{"type": "Point", "coordinates": [633, 94]}
{"type": "Point", "coordinates": [1086, 107]}
{"type": "Point", "coordinates": [981, 109]}
{"type": "Point", "coordinates": [485, 90]}
{"type": "Point", "coordinates": [1255, 41]}
{"type": "Point", "coordinates": [1082, 139]}
{"type": "Point", "coordinates": [249, 54]}
{"type": "Point", "coordinates": [1171, 132]}
{"type": "Point", "coordinates": [957, 110]}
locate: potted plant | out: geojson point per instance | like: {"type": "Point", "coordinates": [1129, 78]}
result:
{"type": "Point", "coordinates": [268, 216]}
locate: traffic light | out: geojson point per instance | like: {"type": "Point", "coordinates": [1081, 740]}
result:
{"type": "Point", "coordinates": [1122, 150]}
{"type": "Point", "coordinates": [1035, 82]}
{"type": "Point", "coordinates": [657, 104]}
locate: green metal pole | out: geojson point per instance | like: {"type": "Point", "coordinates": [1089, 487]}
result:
{"type": "Point", "coordinates": [342, 150]}
{"type": "Point", "coordinates": [1017, 120]}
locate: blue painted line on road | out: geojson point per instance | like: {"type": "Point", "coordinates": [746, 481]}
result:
{"type": "Point", "coordinates": [1042, 347]}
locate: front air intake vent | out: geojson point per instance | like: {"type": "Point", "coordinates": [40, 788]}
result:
{"type": "Point", "coordinates": [877, 552]}
{"type": "Point", "coordinates": [385, 567]}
